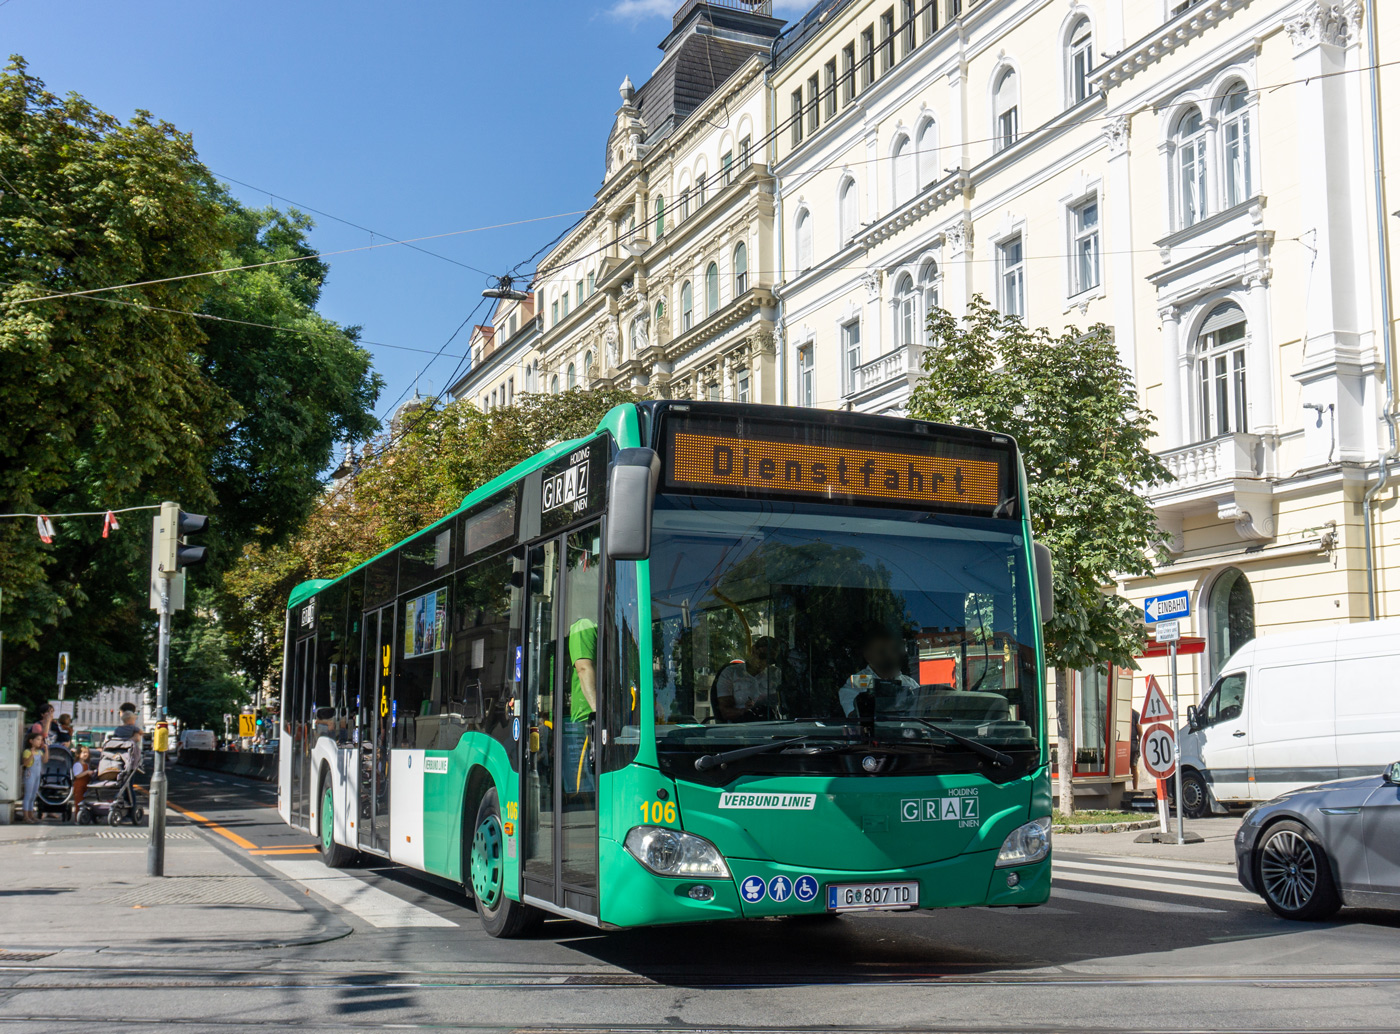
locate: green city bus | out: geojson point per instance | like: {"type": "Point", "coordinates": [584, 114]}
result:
{"type": "Point", "coordinates": [712, 661]}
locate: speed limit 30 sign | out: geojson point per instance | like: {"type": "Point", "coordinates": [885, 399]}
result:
{"type": "Point", "coordinates": [1159, 751]}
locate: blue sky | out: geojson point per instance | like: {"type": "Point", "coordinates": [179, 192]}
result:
{"type": "Point", "coordinates": [414, 118]}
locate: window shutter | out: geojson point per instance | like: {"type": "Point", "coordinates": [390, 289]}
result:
{"type": "Point", "coordinates": [1224, 315]}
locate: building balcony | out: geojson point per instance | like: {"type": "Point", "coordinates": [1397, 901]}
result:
{"type": "Point", "coordinates": [892, 366]}
{"type": "Point", "coordinates": [1230, 476]}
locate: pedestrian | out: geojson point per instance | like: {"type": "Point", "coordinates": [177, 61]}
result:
{"type": "Point", "coordinates": [1135, 747]}
{"type": "Point", "coordinates": [44, 723]}
{"type": "Point", "coordinates": [64, 733]}
{"type": "Point", "coordinates": [82, 772]}
{"type": "Point", "coordinates": [36, 754]}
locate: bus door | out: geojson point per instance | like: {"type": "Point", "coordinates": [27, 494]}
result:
{"type": "Point", "coordinates": [376, 728]}
{"type": "Point", "coordinates": [559, 793]}
{"type": "Point", "coordinates": [298, 724]}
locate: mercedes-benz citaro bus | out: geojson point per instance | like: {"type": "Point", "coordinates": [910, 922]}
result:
{"type": "Point", "coordinates": [713, 661]}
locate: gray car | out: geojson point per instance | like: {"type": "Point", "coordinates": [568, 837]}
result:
{"type": "Point", "coordinates": [1312, 851]}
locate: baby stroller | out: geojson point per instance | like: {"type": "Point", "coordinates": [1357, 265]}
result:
{"type": "Point", "coordinates": [112, 792]}
{"type": "Point", "coordinates": [56, 783]}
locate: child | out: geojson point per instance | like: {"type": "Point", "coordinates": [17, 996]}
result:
{"type": "Point", "coordinates": [82, 772]}
{"type": "Point", "coordinates": [33, 759]}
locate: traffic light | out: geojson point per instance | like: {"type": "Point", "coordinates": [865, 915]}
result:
{"type": "Point", "coordinates": [175, 552]}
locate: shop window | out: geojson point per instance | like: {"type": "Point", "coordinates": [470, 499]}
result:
{"type": "Point", "coordinates": [1091, 715]}
{"type": "Point", "coordinates": [1229, 617]}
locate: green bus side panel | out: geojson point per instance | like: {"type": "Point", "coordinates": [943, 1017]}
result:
{"type": "Point", "coordinates": [443, 804]}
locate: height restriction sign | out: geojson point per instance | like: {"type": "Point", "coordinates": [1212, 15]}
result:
{"type": "Point", "coordinates": [1159, 751]}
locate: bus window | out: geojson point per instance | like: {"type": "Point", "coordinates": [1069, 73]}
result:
{"type": "Point", "coordinates": [621, 704]}
{"type": "Point", "coordinates": [418, 683]}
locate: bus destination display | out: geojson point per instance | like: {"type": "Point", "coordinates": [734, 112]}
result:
{"type": "Point", "coordinates": [761, 466]}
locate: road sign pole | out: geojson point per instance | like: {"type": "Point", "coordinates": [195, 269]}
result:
{"type": "Point", "coordinates": [155, 849]}
{"type": "Point", "coordinates": [1176, 757]}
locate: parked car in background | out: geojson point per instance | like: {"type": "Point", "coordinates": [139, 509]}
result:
{"type": "Point", "coordinates": [1291, 711]}
{"type": "Point", "coordinates": [1312, 851]}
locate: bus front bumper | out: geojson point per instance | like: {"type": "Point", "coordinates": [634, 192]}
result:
{"type": "Point", "coordinates": [633, 896]}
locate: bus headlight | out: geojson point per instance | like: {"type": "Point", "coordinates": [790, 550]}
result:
{"type": "Point", "coordinates": [1028, 843]}
{"type": "Point", "coordinates": [669, 852]}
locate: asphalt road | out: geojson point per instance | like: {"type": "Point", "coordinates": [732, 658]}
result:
{"type": "Point", "coordinates": [1127, 944]}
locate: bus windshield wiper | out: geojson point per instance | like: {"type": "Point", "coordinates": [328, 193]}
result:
{"type": "Point", "coordinates": [993, 755]}
{"type": "Point", "coordinates": [708, 761]}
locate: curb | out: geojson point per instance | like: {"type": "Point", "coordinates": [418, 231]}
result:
{"type": "Point", "coordinates": [1105, 827]}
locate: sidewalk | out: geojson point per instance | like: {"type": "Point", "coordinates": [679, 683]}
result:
{"type": "Point", "coordinates": [85, 889]}
{"type": "Point", "coordinates": [1218, 848]}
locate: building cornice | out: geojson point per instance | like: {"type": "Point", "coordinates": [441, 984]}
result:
{"type": "Point", "coordinates": [1164, 41]}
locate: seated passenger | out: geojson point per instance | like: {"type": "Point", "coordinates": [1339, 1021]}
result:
{"type": "Point", "coordinates": [748, 690]}
{"type": "Point", "coordinates": [884, 654]}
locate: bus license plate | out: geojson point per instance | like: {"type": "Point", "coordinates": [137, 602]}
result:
{"type": "Point", "coordinates": [853, 897]}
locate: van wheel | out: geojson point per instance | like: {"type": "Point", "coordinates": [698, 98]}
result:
{"type": "Point", "coordinates": [1195, 798]}
{"type": "Point", "coordinates": [1295, 877]}
{"type": "Point", "coordinates": [337, 856]}
{"type": "Point", "coordinates": [501, 916]}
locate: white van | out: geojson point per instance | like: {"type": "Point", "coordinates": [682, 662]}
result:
{"type": "Point", "coordinates": [197, 739]}
{"type": "Point", "coordinates": [1291, 710]}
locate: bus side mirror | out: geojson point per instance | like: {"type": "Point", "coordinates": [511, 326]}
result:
{"type": "Point", "coordinates": [631, 495]}
{"type": "Point", "coordinates": [1044, 582]}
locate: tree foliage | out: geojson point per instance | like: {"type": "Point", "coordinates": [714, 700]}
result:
{"type": "Point", "coordinates": [1072, 408]}
{"type": "Point", "coordinates": [121, 398]}
{"type": "Point", "coordinates": [432, 457]}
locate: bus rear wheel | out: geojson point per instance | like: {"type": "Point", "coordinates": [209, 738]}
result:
{"type": "Point", "coordinates": [337, 856]}
{"type": "Point", "coordinates": [501, 916]}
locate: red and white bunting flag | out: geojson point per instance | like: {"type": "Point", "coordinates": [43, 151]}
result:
{"type": "Point", "coordinates": [45, 529]}
{"type": "Point", "coordinates": [109, 523]}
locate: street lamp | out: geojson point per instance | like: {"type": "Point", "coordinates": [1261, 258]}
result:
{"type": "Point", "coordinates": [505, 289]}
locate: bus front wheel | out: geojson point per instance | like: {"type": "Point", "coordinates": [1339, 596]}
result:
{"type": "Point", "coordinates": [501, 916]}
{"type": "Point", "coordinates": [337, 856]}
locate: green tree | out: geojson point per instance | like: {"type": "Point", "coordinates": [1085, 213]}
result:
{"type": "Point", "coordinates": [433, 455]}
{"type": "Point", "coordinates": [203, 687]}
{"type": "Point", "coordinates": [122, 399]}
{"type": "Point", "coordinates": [1085, 441]}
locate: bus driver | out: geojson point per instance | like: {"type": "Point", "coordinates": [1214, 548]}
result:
{"type": "Point", "coordinates": [884, 654]}
{"type": "Point", "coordinates": [747, 690]}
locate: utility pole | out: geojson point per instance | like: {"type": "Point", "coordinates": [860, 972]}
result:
{"type": "Point", "coordinates": [170, 555]}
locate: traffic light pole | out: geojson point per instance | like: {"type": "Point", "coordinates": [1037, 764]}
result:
{"type": "Point", "coordinates": [155, 850]}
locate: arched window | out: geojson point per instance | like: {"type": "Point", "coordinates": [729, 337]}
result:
{"type": "Point", "coordinates": [928, 284]}
{"type": "Point", "coordinates": [906, 312]}
{"type": "Point", "coordinates": [572, 378]}
{"type": "Point", "coordinates": [741, 269]}
{"type": "Point", "coordinates": [904, 172]}
{"type": "Point", "coordinates": [685, 204]}
{"type": "Point", "coordinates": [711, 289]}
{"type": "Point", "coordinates": [687, 307]}
{"type": "Point", "coordinates": [660, 317]}
{"type": "Point", "coordinates": [634, 337]}
{"type": "Point", "coordinates": [1229, 617]}
{"type": "Point", "coordinates": [927, 144]}
{"type": "Point", "coordinates": [1080, 60]}
{"type": "Point", "coordinates": [587, 367]}
{"type": "Point", "coordinates": [1190, 140]}
{"type": "Point", "coordinates": [1006, 107]}
{"type": "Point", "coordinates": [804, 241]}
{"type": "Point", "coordinates": [554, 385]}
{"type": "Point", "coordinates": [848, 211]}
{"type": "Point", "coordinates": [1234, 134]}
{"type": "Point", "coordinates": [1220, 367]}
{"type": "Point", "coordinates": [660, 217]}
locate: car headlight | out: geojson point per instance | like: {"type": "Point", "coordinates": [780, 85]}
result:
{"type": "Point", "coordinates": [669, 852]}
{"type": "Point", "coordinates": [1028, 843]}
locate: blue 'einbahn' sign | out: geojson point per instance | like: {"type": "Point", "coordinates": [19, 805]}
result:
{"type": "Point", "coordinates": [1167, 608]}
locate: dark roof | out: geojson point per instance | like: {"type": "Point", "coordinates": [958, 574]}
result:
{"type": "Point", "coordinates": [686, 77]}
{"type": "Point", "coordinates": [804, 28]}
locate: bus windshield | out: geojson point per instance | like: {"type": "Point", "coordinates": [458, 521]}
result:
{"type": "Point", "coordinates": [863, 630]}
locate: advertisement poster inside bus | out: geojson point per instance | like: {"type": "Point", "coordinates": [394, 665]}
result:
{"type": "Point", "coordinates": [425, 624]}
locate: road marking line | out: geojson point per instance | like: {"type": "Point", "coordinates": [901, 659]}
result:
{"type": "Point", "coordinates": [1164, 887]}
{"type": "Point", "coordinates": [374, 906]}
{"type": "Point", "coordinates": [1141, 904]}
{"type": "Point", "coordinates": [1200, 877]}
{"type": "Point", "coordinates": [1146, 861]}
{"type": "Point", "coordinates": [286, 850]}
{"type": "Point", "coordinates": [213, 826]}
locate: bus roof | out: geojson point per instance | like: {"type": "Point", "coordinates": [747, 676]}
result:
{"type": "Point", "coordinates": [616, 420]}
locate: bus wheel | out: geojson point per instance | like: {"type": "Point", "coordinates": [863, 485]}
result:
{"type": "Point", "coordinates": [501, 916]}
{"type": "Point", "coordinates": [337, 856]}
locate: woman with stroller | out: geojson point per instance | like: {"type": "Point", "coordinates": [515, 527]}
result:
{"type": "Point", "coordinates": [36, 755]}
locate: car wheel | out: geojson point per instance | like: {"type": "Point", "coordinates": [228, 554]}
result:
{"type": "Point", "coordinates": [501, 916]}
{"type": "Point", "coordinates": [337, 856]}
{"type": "Point", "coordinates": [1295, 877]}
{"type": "Point", "coordinates": [1195, 798]}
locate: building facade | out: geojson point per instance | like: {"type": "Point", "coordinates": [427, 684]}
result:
{"type": "Point", "coordinates": [1198, 174]}
{"type": "Point", "coordinates": [504, 357]}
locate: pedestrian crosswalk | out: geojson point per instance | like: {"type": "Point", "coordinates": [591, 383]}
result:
{"type": "Point", "coordinates": [1148, 884]}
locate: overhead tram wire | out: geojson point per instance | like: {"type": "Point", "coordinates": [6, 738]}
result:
{"type": "Point", "coordinates": [355, 225]}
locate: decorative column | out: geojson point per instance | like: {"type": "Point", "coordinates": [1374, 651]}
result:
{"type": "Point", "coordinates": [957, 267]}
{"type": "Point", "coordinates": [1172, 416]}
{"type": "Point", "coordinates": [1117, 208]}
